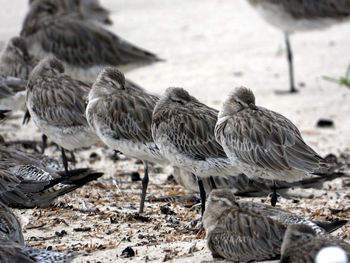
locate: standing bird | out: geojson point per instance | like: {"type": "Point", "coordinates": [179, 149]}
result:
{"type": "Point", "coordinates": [291, 16]}
{"type": "Point", "coordinates": [183, 129]}
{"type": "Point", "coordinates": [302, 244]}
{"type": "Point", "coordinates": [246, 231]}
{"type": "Point", "coordinates": [85, 9]}
{"type": "Point", "coordinates": [263, 143]}
{"type": "Point", "coordinates": [57, 105]}
{"type": "Point", "coordinates": [121, 116]}
{"type": "Point", "coordinates": [84, 48]}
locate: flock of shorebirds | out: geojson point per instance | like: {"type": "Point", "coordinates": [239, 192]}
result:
{"type": "Point", "coordinates": [65, 70]}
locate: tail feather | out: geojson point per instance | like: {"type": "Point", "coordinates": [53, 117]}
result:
{"type": "Point", "coordinates": [331, 226]}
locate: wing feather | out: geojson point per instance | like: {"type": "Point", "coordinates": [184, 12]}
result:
{"type": "Point", "coordinates": [191, 132]}
{"type": "Point", "coordinates": [60, 102]}
{"type": "Point", "coordinates": [240, 236]}
{"type": "Point", "coordinates": [267, 139]}
{"type": "Point", "coordinates": [128, 116]}
{"type": "Point", "coordinates": [84, 44]}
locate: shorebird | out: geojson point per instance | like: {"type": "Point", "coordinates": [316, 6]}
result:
{"type": "Point", "coordinates": [263, 143]}
{"type": "Point", "coordinates": [301, 244]}
{"type": "Point", "coordinates": [85, 9]}
{"type": "Point", "coordinates": [15, 60]}
{"type": "Point", "coordinates": [291, 16]}
{"type": "Point", "coordinates": [15, 65]}
{"type": "Point", "coordinates": [14, 253]}
{"type": "Point", "coordinates": [85, 48]}
{"type": "Point", "coordinates": [183, 129]}
{"type": "Point", "coordinates": [10, 228]}
{"type": "Point", "coordinates": [246, 231]}
{"type": "Point", "coordinates": [13, 249]}
{"type": "Point", "coordinates": [242, 185]}
{"type": "Point", "coordinates": [121, 116]}
{"type": "Point", "coordinates": [29, 181]}
{"type": "Point", "coordinates": [57, 104]}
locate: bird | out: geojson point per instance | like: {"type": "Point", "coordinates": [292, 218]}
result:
{"type": "Point", "coordinates": [15, 59]}
{"type": "Point", "coordinates": [15, 253]}
{"type": "Point", "coordinates": [57, 104]}
{"type": "Point", "coordinates": [244, 186]}
{"type": "Point", "coordinates": [246, 231]}
{"type": "Point", "coordinates": [291, 16]}
{"type": "Point", "coordinates": [12, 245]}
{"type": "Point", "coordinates": [16, 63]}
{"type": "Point", "coordinates": [33, 180]}
{"type": "Point", "coordinates": [300, 239]}
{"type": "Point", "coordinates": [10, 227]}
{"type": "Point", "coordinates": [263, 143]}
{"type": "Point", "coordinates": [84, 47]}
{"type": "Point", "coordinates": [183, 130]}
{"type": "Point", "coordinates": [121, 116]}
{"type": "Point", "coordinates": [84, 9]}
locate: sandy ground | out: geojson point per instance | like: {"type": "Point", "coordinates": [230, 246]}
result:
{"type": "Point", "coordinates": [210, 47]}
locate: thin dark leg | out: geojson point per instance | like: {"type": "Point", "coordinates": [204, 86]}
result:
{"type": "Point", "coordinates": [212, 182]}
{"type": "Point", "coordinates": [72, 157]}
{"type": "Point", "coordinates": [26, 117]}
{"type": "Point", "coordinates": [145, 180]}
{"type": "Point", "coordinates": [290, 63]}
{"type": "Point", "coordinates": [43, 143]}
{"type": "Point", "coordinates": [201, 193]}
{"type": "Point", "coordinates": [274, 195]}
{"type": "Point", "coordinates": [64, 160]}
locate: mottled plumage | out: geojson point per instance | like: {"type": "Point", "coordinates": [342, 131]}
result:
{"type": "Point", "coordinates": [263, 143]}
{"type": "Point", "coordinates": [15, 253]}
{"type": "Point", "coordinates": [183, 129]}
{"type": "Point", "coordinates": [57, 105]}
{"type": "Point", "coordinates": [247, 231]}
{"type": "Point", "coordinates": [84, 47]}
{"type": "Point", "coordinates": [15, 60]}
{"type": "Point", "coordinates": [301, 244]}
{"type": "Point", "coordinates": [29, 181]}
{"type": "Point", "coordinates": [15, 66]}
{"type": "Point", "coordinates": [10, 228]}
{"type": "Point", "coordinates": [121, 115]}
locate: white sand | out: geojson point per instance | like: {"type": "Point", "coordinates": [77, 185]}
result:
{"type": "Point", "coordinates": [211, 46]}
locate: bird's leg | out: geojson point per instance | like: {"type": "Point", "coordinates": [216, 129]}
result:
{"type": "Point", "coordinates": [26, 117]}
{"type": "Point", "coordinates": [64, 160]}
{"type": "Point", "coordinates": [201, 193]}
{"type": "Point", "coordinates": [274, 194]}
{"type": "Point", "coordinates": [213, 184]}
{"type": "Point", "coordinates": [72, 157]}
{"type": "Point", "coordinates": [145, 180]}
{"type": "Point", "coordinates": [290, 63]}
{"type": "Point", "coordinates": [43, 143]}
